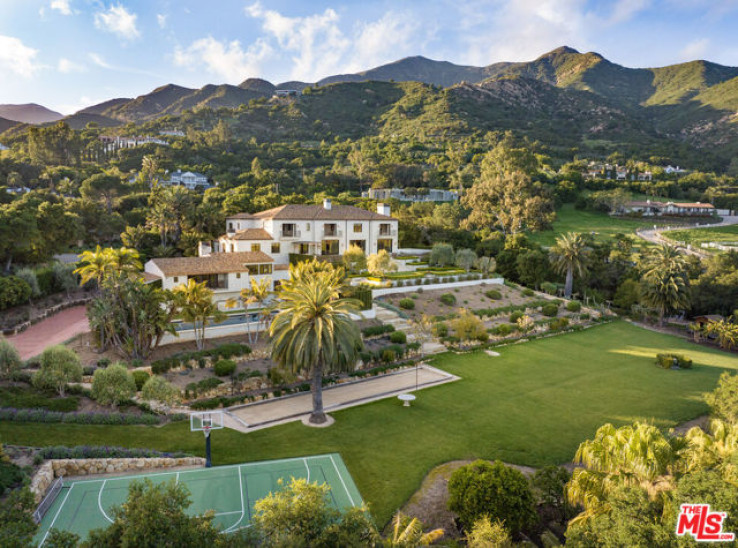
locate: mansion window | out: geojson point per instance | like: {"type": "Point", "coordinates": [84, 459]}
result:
{"type": "Point", "coordinates": [359, 243]}
{"type": "Point", "coordinates": [212, 281]}
{"type": "Point", "coordinates": [357, 227]}
{"type": "Point", "coordinates": [330, 229]}
{"type": "Point", "coordinates": [289, 230]}
{"type": "Point", "coordinates": [265, 269]}
{"type": "Point", "coordinates": [385, 229]}
{"type": "Point", "coordinates": [255, 247]}
{"type": "Point", "coordinates": [275, 248]}
{"type": "Point", "coordinates": [384, 244]}
{"type": "Point", "coordinates": [304, 249]}
{"type": "Point", "coordinates": [329, 247]}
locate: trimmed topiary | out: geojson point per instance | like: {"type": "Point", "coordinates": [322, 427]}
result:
{"type": "Point", "coordinates": [224, 368]}
{"type": "Point", "coordinates": [573, 306]}
{"type": "Point", "coordinates": [407, 304]}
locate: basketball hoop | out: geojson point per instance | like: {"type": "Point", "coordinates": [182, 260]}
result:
{"type": "Point", "coordinates": [206, 422]}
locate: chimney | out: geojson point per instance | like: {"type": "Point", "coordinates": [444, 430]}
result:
{"type": "Point", "coordinates": [327, 204]}
{"type": "Point", "coordinates": [383, 209]}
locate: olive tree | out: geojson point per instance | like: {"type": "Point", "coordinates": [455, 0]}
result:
{"type": "Point", "coordinates": [159, 390]}
{"type": "Point", "coordinates": [465, 258]}
{"type": "Point", "coordinates": [9, 359]}
{"type": "Point", "coordinates": [441, 255]}
{"type": "Point", "coordinates": [112, 385]}
{"type": "Point", "coordinates": [59, 366]}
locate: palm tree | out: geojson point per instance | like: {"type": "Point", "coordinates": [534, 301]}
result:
{"type": "Point", "coordinates": [632, 455]}
{"type": "Point", "coordinates": [408, 533]}
{"type": "Point", "coordinates": [125, 259]}
{"type": "Point", "coordinates": [195, 303]}
{"type": "Point", "coordinates": [726, 333]}
{"type": "Point", "coordinates": [95, 265]}
{"type": "Point", "coordinates": [718, 449]}
{"type": "Point", "coordinates": [665, 281]}
{"type": "Point", "coordinates": [257, 294]}
{"type": "Point", "coordinates": [313, 331]}
{"type": "Point", "coordinates": [569, 256]}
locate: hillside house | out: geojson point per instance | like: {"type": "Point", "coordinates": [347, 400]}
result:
{"type": "Point", "coordinates": [650, 208]}
{"type": "Point", "coordinates": [188, 179]}
{"type": "Point", "coordinates": [432, 195]}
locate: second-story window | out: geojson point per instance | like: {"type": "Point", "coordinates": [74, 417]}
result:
{"type": "Point", "coordinates": [357, 227]}
{"type": "Point", "coordinates": [385, 229]}
{"type": "Point", "coordinates": [255, 247]}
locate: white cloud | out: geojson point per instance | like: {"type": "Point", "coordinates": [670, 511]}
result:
{"type": "Point", "coordinates": [66, 66]}
{"type": "Point", "coordinates": [118, 20]}
{"type": "Point", "coordinates": [17, 58]}
{"type": "Point", "coordinates": [227, 60]}
{"type": "Point", "coordinates": [695, 49]}
{"type": "Point", "coordinates": [62, 6]}
{"type": "Point", "coordinates": [384, 40]}
{"type": "Point", "coordinates": [624, 10]}
{"type": "Point", "coordinates": [161, 20]}
{"type": "Point", "coordinates": [99, 60]}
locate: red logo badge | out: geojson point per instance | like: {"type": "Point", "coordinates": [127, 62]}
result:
{"type": "Point", "coordinates": [703, 525]}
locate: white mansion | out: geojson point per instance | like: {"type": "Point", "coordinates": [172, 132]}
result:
{"type": "Point", "coordinates": [261, 244]}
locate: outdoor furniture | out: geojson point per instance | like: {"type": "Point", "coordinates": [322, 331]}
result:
{"type": "Point", "coordinates": [406, 398]}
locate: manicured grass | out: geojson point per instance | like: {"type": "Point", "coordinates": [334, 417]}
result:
{"type": "Point", "coordinates": [696, 236]}
{"type": "Point", "coordinates": [533, 405]}
{"type": "Point", "coordinates": [603, 225]}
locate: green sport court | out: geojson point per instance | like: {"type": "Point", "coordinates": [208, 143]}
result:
{"type": "Point", "coordinates": [230, 491]}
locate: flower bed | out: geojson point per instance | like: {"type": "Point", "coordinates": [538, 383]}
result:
{"type": "Point", "coordinates": [79, 417]}
{"type": "Point", "coordinates": [102, 451]}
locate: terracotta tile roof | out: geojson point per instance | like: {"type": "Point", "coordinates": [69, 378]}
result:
{"type": "Point", "coordinates": [240, 216]}
{"type": "Point", "coordinates": [637, 203]}
{"type": "Point", "coordinates": [281, 267]}
{"type": "Point", "coordinates": [295, 212]}
{"type": "Point", "coordinates": [704, 206]}
{"type": "Point", "coordinates": [250, 234]}
{"type": "Point", "coordinates": [217, 263]}
{"type": "Point", "coordinates": [148, 277]}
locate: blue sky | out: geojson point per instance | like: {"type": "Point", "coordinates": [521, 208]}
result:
{"type": "Point", "coordinates": [67, 54]}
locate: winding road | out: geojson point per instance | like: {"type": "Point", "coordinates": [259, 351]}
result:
{"type": "Point", "coordinates": [654, 235]}
{"type": "Point", "coordinates": [50, 331]}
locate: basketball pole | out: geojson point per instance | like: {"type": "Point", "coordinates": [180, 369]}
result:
{"type": "Point", "coordinates": [208, 460]}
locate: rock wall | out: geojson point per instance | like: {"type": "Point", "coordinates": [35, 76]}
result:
{"type": "Point", "coordinates": [52, 469]}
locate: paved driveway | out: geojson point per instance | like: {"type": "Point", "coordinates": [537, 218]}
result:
{"type": "Point", "coordinates": [53, 330]}
{"type": "Point", "coordinates": [655, 236]}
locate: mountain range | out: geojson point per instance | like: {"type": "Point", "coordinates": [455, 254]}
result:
{"type": "Point", "coordinates": [694, 102]}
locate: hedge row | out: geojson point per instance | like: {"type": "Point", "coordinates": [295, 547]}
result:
{"type": "Point", "coordinates": [489, 312]}
{"type": "Point", "coordinates": [103, 452]}
{"type": "Point", "coordinates": [377, 330]}
{"type": "Point", "coordinates": [667, 361]}
{"type": "Point", "coordinates": [42, 415]}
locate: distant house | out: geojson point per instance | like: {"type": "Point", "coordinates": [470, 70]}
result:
{"type": "Point", "coordinates": [669, 170]}
{"type": "Point", "coordinates": [645, 176]}
{"type": "Point", "coordinates": [115, 142]}
{"type": "Point", "coordinates": [3, 147]}
{"type": "Point", "coordinates": [621, 174]}
{"type": "Point", "coordinates": [649, 208]}
{"type": "Point", "coordinates": [188, 179]}
{"type": "Point", "coordinates": [287, 93]}
{"type": "Point", "coordinates": [172, 133]}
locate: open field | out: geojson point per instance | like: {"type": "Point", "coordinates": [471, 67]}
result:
{"type": "Point", "coordinates": [697, 236]}
{"type": "Point", "coordinates": [602, 225]}
{"type": "Point", "coordinates": [532, 405]}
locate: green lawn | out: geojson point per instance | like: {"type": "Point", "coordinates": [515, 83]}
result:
{"type": "Point", "coordinates": [603, 225]}
{"type": "Point", "coordinates": [533, 405]}
{"type": "Point", "coordinates": [696, 236]}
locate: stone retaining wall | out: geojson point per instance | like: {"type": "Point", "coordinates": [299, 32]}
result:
{"type": "Point", "coordinates": [18, 328]}
{"type": "Point", "coordinates": [52, 469]}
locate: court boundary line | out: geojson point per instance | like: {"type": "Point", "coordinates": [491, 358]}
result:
{"type": "Point", "coordinates": [340, 476]}
{"type": "Point", "coordinates": [99, 501]}
{"type": "Point", "coordinates": [243, 510]}
{"type": "Point", "coordinates": [53, 521]}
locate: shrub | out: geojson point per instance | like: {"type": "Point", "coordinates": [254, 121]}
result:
{"type": "Point", "coordinates": [493, 294]}
{"type": "Point", "coordinates": [388, 355]}
{"type": "Point", "coordinates": [102, 452]}
{"type": "Point", "coordinates": [59, 366]}
{"type": "Point", "coordinates": [666, 361]}
{"type": "Point", "coordinates": [224, 368]}
{"type": "Point", "coordinates": [585, 316]}
{"type": "Point", "coordinates": [10, 361]}
{"type": "Point", "coordinates": [494, 490]}
{"type": "Point", "coordinates": [398, 337]}
{"type": "Point", "coordinates": [559, 323]}
{"type": "Point", "coordinates": [113, 385]}
{"type": "Point", "coordinates": [159, 390]}
{"type": "Point", "coordinates": [377, 330]}
{"type": "Point", "coordinates": [440, 329]}
{"type": "Point", "coordinates": [502, 330]}
{"type": "Point", "coordinates": [573, 306]}
{"type": "Point", "coordinates": [13, 291]}
{"type": "Point", "coordinates": [140, 378]}
{"type": "Point", "coordinates": [448, 299]}
{"type": "Point", "coordinates": [78, 417]}
{"type": "Point", "coordinates": [528, 292]}
{"type": "Point", "coordinates": [28, 275]}
{"type": "Point", "coordinates": [548, 287]}
{"type": "Point", "coordinates": [467, 326]}
{"type": "Point", "coordinates": [515, 316]}
{"type": "Point", "coordinates": [550, 309]}
{"type": "Point", "coordinates": [441, 255]}
{"type": "Point", "coordinates": [407, 304]}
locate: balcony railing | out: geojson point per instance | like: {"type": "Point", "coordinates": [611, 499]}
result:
{"type": "Point", "coordinates": [289, 234]}
{"type": "Point", "coordinates": [332, 233]}
{"type": "Point", "coordinates": [387, 232]}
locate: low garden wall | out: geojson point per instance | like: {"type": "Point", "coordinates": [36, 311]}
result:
{"type": "Point", "coordinates": [18, 328]}
{"type": "Point", "coordinates": [52, 469]}
{"type": "Point", "coordinates": [431, 287]}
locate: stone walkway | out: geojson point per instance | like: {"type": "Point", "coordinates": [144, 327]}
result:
{"type": "Point", "coordinates": [259, 415]}
{"type": "Point", "coordinates": [387, 316]}
{"type": "Point", "coordinates": [53, 330]}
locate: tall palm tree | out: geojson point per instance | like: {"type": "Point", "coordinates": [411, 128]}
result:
{"type": "Point", "coordinates": [257, 294]}
{"type": "Point", "coordinates": [125, 259]}
{"type": "Point", "coordinates": [95, 265]}
{"type": "Point", "coordinates": [665, 284]}
{"type": "Point", "coordinates": [313, 331]}
{"type": "Point", "coordinates": [195, 303]}
{"type": "Point", "coordinates": [632, 455]}
{"type": "Point", "coordinates": [569, 257]}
